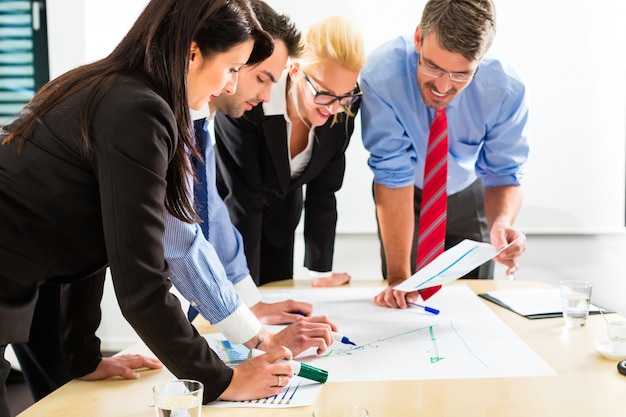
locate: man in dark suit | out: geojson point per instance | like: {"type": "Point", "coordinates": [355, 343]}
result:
{"type": "Point", "coordinates": [267, 155]}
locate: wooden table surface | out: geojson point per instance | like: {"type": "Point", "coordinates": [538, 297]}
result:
{"type": "Point", "coordinates": [587, 383]}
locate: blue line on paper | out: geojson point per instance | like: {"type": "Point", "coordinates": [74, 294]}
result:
{"type": "Point", "coordinates": [466, 346]}
{"type": "Point", "coordinates": [293, 393]}
{"type": "Point", "coordinates": [448, 267]}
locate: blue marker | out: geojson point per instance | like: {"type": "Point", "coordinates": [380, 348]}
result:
{"type": "Point", "coordinates": [427, 309]}
{"type": "Point", "coordinates": [343, 339]}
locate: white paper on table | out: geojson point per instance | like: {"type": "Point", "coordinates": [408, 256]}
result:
{"type": "Point", "coordinates": [534, 301]}
{"type": "Point", "coordinates": [451, 264]}
{"type": "Point", "coordinates": [466, 340]}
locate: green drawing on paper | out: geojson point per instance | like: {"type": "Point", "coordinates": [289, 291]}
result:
{"type": "Point", "coordinates": [374, 344]}
{"type": "Point", "coordinates": [436, 358]}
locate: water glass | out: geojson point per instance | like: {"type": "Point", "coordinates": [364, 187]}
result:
{"type": "Point", "coordinates": [179, 398]}
{"type": "Point", "coordinates": [575, 297]}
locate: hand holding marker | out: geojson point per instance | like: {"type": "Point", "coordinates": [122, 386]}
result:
{"type": "Point", "coordinates": [343, 339]}
{"type": "Point", "coordinates": [336, 336]}
{"type": "Point", "coordinates": [303, 370]}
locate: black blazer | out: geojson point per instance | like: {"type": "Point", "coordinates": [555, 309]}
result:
{"type": "Point", "coordinates": [253, 178]}
{"type": "Point", "coordinates": [65, 214]}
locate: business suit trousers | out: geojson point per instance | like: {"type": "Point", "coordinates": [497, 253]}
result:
{"type": "Point", "coordinates": [465, 220]}
{"type": "Point", "coordinates": [276, 262]}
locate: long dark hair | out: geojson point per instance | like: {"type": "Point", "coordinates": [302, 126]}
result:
{"type": "Point", "coordinates": [157, 47]}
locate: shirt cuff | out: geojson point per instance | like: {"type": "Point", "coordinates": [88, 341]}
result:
{"type": "Point", "coordinates": [316, 274]}
{"type": "Point", "coordinates": [240, 326]}
{"type": "Point", "coordinates": [248, 291]}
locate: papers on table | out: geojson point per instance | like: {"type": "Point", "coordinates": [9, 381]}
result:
{"type": "Point", "coordinates": [466, 340]}
{"type": "Point", "coordinates": [450, 265]}
{"type": "Point", "coordinates": [533, 303]}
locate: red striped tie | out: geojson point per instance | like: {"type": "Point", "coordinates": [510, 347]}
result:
{"type": "Point", "coordinates": [432, 228]}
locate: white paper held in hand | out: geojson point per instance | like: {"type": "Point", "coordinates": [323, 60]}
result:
{"type": "Point", "coordinates": [452, 264]}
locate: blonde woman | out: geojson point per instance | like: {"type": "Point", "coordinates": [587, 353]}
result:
{"type": "Point", "coordinates": [298, 138]}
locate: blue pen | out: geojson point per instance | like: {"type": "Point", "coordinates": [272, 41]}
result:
{"type": "Point", "coordinates": [343, 339]}
{"type": "Point", "coordinates": [427, 309]}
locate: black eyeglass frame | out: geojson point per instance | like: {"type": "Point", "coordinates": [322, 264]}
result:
{"type": "Point", "coordinates": [325, 98]}
{"type": "Point", "coordinates": [432, 72]}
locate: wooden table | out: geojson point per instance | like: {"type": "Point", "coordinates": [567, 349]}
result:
{"type": "Point", "coordinates": [587, 384]}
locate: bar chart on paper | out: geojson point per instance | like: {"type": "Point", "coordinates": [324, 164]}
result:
{"type": "Point", "coordinates": [299, 392]}
{"type": "Point", "coordinates": [466, 340]}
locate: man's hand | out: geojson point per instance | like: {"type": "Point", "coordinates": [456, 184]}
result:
{"type": "Point", "coordinates": [306, 332]}
{"type": "Point", "coordinates": [500, 238]}
{"type": "Point", "coordinates": [283, 312]}
{"type": "Point", "coordinates": [123, 366]}
{"type": "Point", "coordinates": [395, 299]}
{"type": "Point", "coordinates": [501, 207]}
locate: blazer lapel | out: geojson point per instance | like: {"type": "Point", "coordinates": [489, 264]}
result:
{"type": "Point", "coordinates": [275, 131]}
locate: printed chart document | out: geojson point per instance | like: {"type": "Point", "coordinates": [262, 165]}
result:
{"type": "Point", "coordinates": [450, 265]}
{"type": "Point", "coordinates": [533, 303]}
{"type": "Point", "coordinates": [300, 391]}
{"type": "Point", "coordinates": [465, 340]}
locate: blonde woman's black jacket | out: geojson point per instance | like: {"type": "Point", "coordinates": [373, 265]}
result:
{"type": "Point", "coordinates": [265, 203]}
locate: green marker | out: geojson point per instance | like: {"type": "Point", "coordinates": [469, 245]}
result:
{"type": "Point", "coordinates": [307, 371]}
{"type": "Point", "coordinates": [303, 370]}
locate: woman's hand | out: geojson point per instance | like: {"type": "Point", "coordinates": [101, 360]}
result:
{"type": "Point", "coordinates": [123, 366]}
{"type": "Point", "coordinates": [260, 377]}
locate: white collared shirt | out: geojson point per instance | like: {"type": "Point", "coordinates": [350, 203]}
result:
{"type": "Point", "coordinates": [278, 106]}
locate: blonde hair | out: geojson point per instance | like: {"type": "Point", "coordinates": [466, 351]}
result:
{"type": "Point", "coordinates": [333, 40]}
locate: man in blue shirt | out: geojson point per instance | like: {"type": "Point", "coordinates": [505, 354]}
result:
{"type": "Point", "coordinates": [208, 258]}
{"type": "Point", "coordinates": [404, 82]}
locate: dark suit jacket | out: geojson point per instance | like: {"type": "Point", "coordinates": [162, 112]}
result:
{"type": "Point", "coordinates": [254, 179]}
{"type": "Point", "coordinates": [66, 213]}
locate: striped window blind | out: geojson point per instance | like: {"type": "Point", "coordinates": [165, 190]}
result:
{"type": "Point", "coordinates": [23, 54]}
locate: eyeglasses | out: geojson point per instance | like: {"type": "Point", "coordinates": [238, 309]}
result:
{"type": "Point", "coordinates": [433, 72]}
{"type": "Point", "coordinates": [325, 98]}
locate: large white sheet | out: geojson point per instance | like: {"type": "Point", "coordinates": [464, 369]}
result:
{"type": "Point", "coordinates": [466, 340]}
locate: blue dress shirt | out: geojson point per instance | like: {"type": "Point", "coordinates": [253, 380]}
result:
{"type": "Point", "coordinates": [487, 122]}
{"type": "Point", "coordinates": [205, 269]}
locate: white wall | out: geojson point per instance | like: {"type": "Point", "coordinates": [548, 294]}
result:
{"type": "Point", "coordinates": [575, 68]}
{"type": "Point", "coordinates": [597, 258]}
{"type": "Point", "coordinates": [574, 63]}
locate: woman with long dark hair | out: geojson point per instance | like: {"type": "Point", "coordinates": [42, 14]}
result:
{"type": "Point", "coordinates": [87, 171]}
